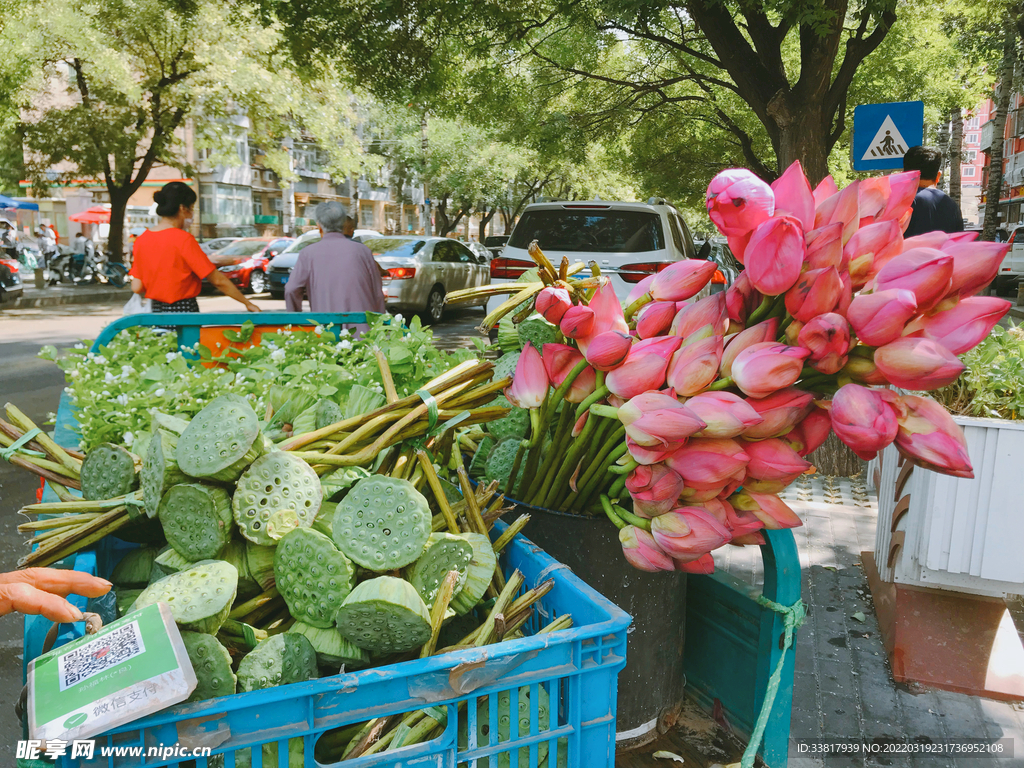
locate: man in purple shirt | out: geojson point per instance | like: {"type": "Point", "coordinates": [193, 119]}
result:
{"type": "Point", "coordinates": [335, 274]}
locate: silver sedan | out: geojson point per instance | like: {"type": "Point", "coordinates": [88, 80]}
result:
{"type": "Point", "coordinates": [423, 270]}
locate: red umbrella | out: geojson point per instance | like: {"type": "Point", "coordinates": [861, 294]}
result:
{"type": "Point", "coordinates": [95, 215]}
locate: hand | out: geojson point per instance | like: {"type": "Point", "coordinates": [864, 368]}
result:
{"type": "Point", "coordinates": [250, 307]}
{"type": "Point", "coordinates": [42, 591]}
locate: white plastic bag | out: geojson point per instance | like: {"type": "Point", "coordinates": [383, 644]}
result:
{"type": "Point", "coordinates": [137, 305]}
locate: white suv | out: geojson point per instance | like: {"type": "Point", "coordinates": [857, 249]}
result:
{"type": "Point", "coordinates": [628, 241]}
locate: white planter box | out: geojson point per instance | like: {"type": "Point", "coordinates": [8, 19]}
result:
{"type": "Point", "coordinates": [952, 533]}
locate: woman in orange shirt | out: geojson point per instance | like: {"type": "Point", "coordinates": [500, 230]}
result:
{"type": "Point", "coordinates": [168, 266]}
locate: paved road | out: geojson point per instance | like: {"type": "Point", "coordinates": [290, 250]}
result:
{"type": "Point", "coordinates": [35, 386]}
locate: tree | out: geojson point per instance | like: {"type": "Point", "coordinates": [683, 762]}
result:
{"type": "Point", "coordinates": [115, 83]}
{"type": "Point", "coordinates": [1002, 103]}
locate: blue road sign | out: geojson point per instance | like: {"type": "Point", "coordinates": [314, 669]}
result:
{"type": "Point", "coordinates": [882, 134]}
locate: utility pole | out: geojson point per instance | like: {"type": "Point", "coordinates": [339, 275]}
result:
{"type": "Point", "coordinates": [288, 193]}
{"type": "Point", "coordinates": [425, 146]}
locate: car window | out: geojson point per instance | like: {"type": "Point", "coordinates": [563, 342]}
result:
{"type": "Point", "coordinates": [690, 250]}
{"type": "Point", "coordinates": [393, 246]}
{"type": "Point", "coordinates": [440, 252]}
{"type": "Point", "coordinates": [1013, 237]}
{"type": "Point", "coordinates": [463, 255]}
{"type": "Point", "coordinates": [243, 248]}
{"type": "Point", "coordinates": [597, 231]}
{"type": "Point", "coordinates": [677, 236]}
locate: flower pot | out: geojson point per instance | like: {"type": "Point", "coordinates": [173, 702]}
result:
{"type": "Point", "coordinates": [652, 680]}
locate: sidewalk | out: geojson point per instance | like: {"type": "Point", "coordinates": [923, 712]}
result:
{"type": "Point", "coordinates": [843, 687]}
{"type": "Point", "coordinates": [59, 295]}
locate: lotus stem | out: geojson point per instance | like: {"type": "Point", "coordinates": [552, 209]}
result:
{"type": "Point", "coordinates": [526, 294]}
{"type": "Point", "coordinates": [607, 411]}
{"type": "Point", "coordinates": [61, 492]}
{"type": "Point", "coordinates": [507, 595]}
{"type": "Point", "coordinates": [723, 383]}
{"type": "Point", "coordinates": [570, 462]}
{"type": "Point", "coordinates": [514, 528]}
{"type": "Point", "coordinates": [637, 305]}
{"type": "Point", "coordinates": [606, 505]}
{"type": "Point", "coordinates": [598, 394]}
{"type": "Point", "coordinates": [473, 294]}
{"type": "Point", "coordinates": [241, 611]}
{"type": "Point", "coordinates": [57, 522]}
{"type": "Point", "coordinates": [438, 491]}
{"type": "Point", "coordinates": [55, 451]}
{"type": "Point", "coordinates": [437, 612]}
{"type": "Point", "coordinates": [542, 481]}
{"type": "Point", "coordinates": [761, 312]}
{"type": "Point", "coordinates": [631, 519]}
{"type": "Point", "coordinates": [390, 393]}
{"type": "Point", "coordinates": [562, 622]}
{"type": "Point", "coordinates": [614, 448]}
{"type": "Point", "coordinates": [59, 548]}
{"type": "Point", "coordinates": [624, 469]}
{"type": "Point", "coordinates": [618, 487]}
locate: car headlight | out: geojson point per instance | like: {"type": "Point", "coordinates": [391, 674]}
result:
{"type": "Point", "coordinates": [229, 268]}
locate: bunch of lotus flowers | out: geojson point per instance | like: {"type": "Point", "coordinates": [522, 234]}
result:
{"type": "Point", "coordinates": [697, 413]}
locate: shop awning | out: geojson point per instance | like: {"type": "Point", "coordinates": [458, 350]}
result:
{"type": "Point", "coordinates": [20, 205]}
{"type": "Point", "coordinates": [95, 215]}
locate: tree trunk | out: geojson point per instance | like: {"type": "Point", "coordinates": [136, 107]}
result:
{"type": "Point", "coordinates": [115, 241]}
{"type": "Point", "coordinates": [441, 217]}
{"type": "Point", "coordinates": [484, 221]}
{"type": "Point", "coordinates": [801, 135]}
{"type": "Point", "coordinates": [453, 224]}
{"type": "Point", "coordinates": [995, 172]}
{"type": "Point", "coordinates": [836, 459]}
{"type": "Point", "coordinates": [956, 141]}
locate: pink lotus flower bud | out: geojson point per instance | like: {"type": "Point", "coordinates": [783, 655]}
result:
{"type": "Point", "coordinates": [641, 372]}
{"type": "Point", "coordinates": [642, 551]}
{"type": "Point", "coordinates": [710, 310]}
{"type": "Point", "coordinates": [773, 460]}
{"type": "Point", "coordinates": [811, 433]}
{"type": "Point", "coordinates": [815, 293]}
{"type": "Point", "coordinates": [828, 338]}
{"type": "Point", "coordinates": [655, 318]}
{"type": "Point", "coordinates": [924, 271]}
{"type": "Point", "coordinates": [871, 197]}
{"type": "Point", "coordinates": [763, 368]}
{"type": "Point", "coordinates": [878, 318]}
{"type": "Point", "coordinates": [703, 565]}
{"type": "Point", "coordinates": [769, 509]}
{"type": "Point", "coordinates": [726, 414]}
{"type": "Point", "coordinates": [693, 496]}
{"type": "Point", "coordinates": [917, 364]}
{"type": "Point", "coordinates": [695, 365]}
{"type": "Point", "coordinates": [938, 239]}
{"type": "Point", "coordinates": [709, 463]}
{"type": "Point", "coordinates": [843, 207]}
{"type": "Point", "coordinates": [825, 189]}
{"type": "Point", "coordinates": [864, 419]}
{"type": "Point", "coordinates": [688, 533]}
{"type": "Point", "coordinates": [559, 360]}
{"type": "Point", "coordinates": [863, 371]}
{"type": "Point", "coordinates": [964, 326]}
{"type": "Point", "coordinates": [740, 522]}
{"type": "Point", "coordinates": [780, 412]}
{"type": "Point", "coordinates": [608, 314]}
{"type": "Point", "coordinates": [581, 422]}
{"type": "Point", "coordinates": [825, 247]}
{"type": "Point", "coordinates": [552, 303]}
{"type": "Point", "coordinates": [607, 350]}
{"type": "Point", "coordinates": [640, 289]}
{"type": "Point", "coordinates": [755, 334]}
{"type": "Point", "coordinates": [663, 346]}
{"type": "Point", "coordinates": [975, 265]}
{"type": "Point", "coordinates": [658, 420]}
{"type": "Point", "coordinates": [930, 437]}
{"type": "Point", "coordinates": [793, 196]}
{"type": "Point", "coordinates": [717, 508]}
{"type": "Point", "coordinates": [530, 380]}
{"type": "Point", "coordinates": [644, 455]}
{"type": "Point", "coordinates": [738, 201]}
{"type": "Point", "coordinates": [577, 322]}
{"type": "Point", "coordinates": [902, 190]}
{"type": "Point", "coordinates": [654, 489]}
{"type": "Point", "coordinates": [775, 255]}
{"type": "Point", "coordinates": [738, 245]}
{"type": "Point", "coordinates": [682, 280]}
{"type": "Point", "coordinates": [741, 298]}
{"type": "Point", "coordinates": [846, 296]}
{"type": "Point", "coordinates": [870, 249]}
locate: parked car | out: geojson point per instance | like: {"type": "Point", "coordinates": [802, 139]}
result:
{"type": "Point", "coordinates": [281, 265]}
{"type": "Point", "coordinates": [729, 267]}
{"type": "Point", "coordinates": [361, 235]}
{"type": "Point", "coordinates": [482, 252]}
{"type": "Point", "coordinates": [216, 244]}
{"type": "Point", "coordinates": [628, 241]}
{"type": "Point", "coordinates": [245, 261]}
{"type": "Point", "coordinates": [495, 244]}
{"type": "Point", "coordinates": [1012, 268]}
{"type": "Point", "coordinates": [11, 286]}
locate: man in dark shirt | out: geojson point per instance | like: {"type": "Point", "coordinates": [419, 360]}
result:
{"type": "Point", "coordinates": [934, 210]}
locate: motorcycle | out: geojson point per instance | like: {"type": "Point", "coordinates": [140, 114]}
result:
{"type": "Point", "coordinates": [90, 267]}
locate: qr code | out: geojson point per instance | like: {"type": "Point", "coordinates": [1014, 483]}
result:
{"type": "Point", "coordinates": [99, 655]}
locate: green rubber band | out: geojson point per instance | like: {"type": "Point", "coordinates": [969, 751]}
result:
{"type": "Point", "coordinates": [792, 617]}
{"type": "Point", "coordinates": [452, 422]}
{"type": "Point", "coordinates": [135, 507]}
{"type": "Point", "coordinates": [8, 453]}
{"type": "Point", "coordinates": [438, 714]}
{"type": "Point", "coordinates": [431, 403]}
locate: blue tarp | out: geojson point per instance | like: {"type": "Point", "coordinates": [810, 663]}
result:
{"type": "Point", "coordinates": [10, 202]}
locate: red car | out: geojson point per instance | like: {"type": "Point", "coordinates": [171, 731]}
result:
{"type": "Point", "coordinates": [245, 261]}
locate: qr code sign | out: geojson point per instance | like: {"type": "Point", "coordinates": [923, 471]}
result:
{"type": "Point", "coordinates": [99, 655]}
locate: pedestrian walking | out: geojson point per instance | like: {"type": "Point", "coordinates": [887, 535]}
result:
{"type": "Point", "coordinates": [336, 274]}
{"type": "Point", "coordinates": [169, 266]}
{"type": "Point", "coordinates": [934, 210]}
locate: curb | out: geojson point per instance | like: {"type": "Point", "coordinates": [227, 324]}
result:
{"type": "Point", "coordinates": [68, 296]}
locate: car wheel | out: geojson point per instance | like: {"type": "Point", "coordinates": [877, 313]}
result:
{"type": "Point", "coordinates": [435, 305]}
{"type": "Point", "coordinates": [257, 281]}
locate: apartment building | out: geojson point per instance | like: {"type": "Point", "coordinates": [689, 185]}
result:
{"type": "Point", "coordinates": [1011, 194]}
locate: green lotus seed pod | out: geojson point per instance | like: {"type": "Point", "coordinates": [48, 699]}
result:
{"type": "Point", "coordinates": [385, 615]}
{"type": "Point", "coordinates": [166, 421]}
{"type": "Point", "coordinates": [478, 575]}
{"type": "Point", "coordinates": [340, 480]}
{"type": "Point", "coordinates": [260, 560]}
{"type": "Point", "coordinates": [516, 424]}
{"type": "Point", "coordinates": [537, 331]}
{"type": "Point", "coordinates": [305, 421]}
{"type": "Point", "coordinates": [212, 664]}
{"type": "Point", "coordinates": [200, 597]}
{"type": "Point", "coordinates": [332, 648]}
{"type": "Point", "coordinates": [279, 660]}
{"type": "Point", "coordinates": [445, 552]}
{"type": "Point", "coordinates": [196, 519]}
{"type": "Point", "coordinates": [221, 441]}
{"type": "Point", "coordinates": [167, 562]}
{"type": "Point", "coordinates": [313, 576]}
{"type": "Point", "coordinates": [108, 471]}
{"type": "Point", "coordinates": [485, 737]}
{"type": "Point", "coordinates": [479, 463]}
{"type": "Point", "coordinates": [277, 493]}
{"type": "Point", "coordinates": [160, 470]}
{"type": "Point", "coordinates": [502, 459]}
{"type": "Point", "coordinates": [328, 412]}
{"type": "Point", "coordinates": [134, 568]}
{"type": "Point", "coordinates": [125, 600]}
{"type": "Point", "coordinates": [505, 365]}
{"type": "Point", "coordinates": [382, 523]}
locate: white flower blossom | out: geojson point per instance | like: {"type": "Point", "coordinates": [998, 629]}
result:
{"type": "Point", "coordinates": [318, 330]}
{"type": "Point", "coordinates": [159, 392]}
{"type": "Point", "coordinates": [109, 378]}
{"type": "Point", "coordinates": [105, 393]}
{"type": "Point", "coordinates": [99, 359]}
{"type": "Point", "coordinates": [127, 370]}
{"type": "Point", "coordinates": [399, 319]}
{"type": "Point", "coordinates": [79, 346]}
{"type": "Point", "coordinates": [278, 355]}
{"type": "Point", "coordinates": [344, 332]}
{"type": "Point", "coordinates": [344, 345]}
{"type": "Point", "coordinates": [129, 438]}
{"type": "Point", "coordinates": [239, 378]}
{"type": "Point", "coordinates": [75, 373]}
{"type": "Point", "coordinates": [122, 399]}
{"type": "Point", "coordinates": [171, 356]}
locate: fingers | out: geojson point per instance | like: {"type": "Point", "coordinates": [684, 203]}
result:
{"type": "Point", "coordinates": [58, 581]}
{"type": "Point", "coordinates": [25, 598]}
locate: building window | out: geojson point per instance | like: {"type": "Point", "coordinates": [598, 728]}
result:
{"type": "Point", "coordinates": [972, 123]}
{"type": "Point", "coordinates": [970, 155]}
{"type": "Point", "coordinates": [366, 216]}
{"type": "Point", "coordinates": [257, 205]}
{"type": "Point", "coordinates": [968, 172]}
{"type": "Point", "coordinates": [972, 138]}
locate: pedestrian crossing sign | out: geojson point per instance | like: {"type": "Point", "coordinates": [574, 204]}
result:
{"type": "Point", "coordinates": [882, 134]}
